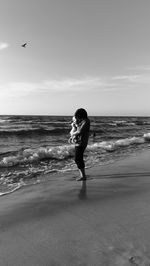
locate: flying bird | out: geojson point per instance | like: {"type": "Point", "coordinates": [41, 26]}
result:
{"type": "Point", "coordinates": [24, 45]}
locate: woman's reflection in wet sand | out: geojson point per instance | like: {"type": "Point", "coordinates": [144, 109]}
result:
{"type": "Point", "coordinates": [83, 193]}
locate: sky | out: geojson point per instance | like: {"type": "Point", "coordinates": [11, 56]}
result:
{"type": "Point", "coordinates": [93, 54]}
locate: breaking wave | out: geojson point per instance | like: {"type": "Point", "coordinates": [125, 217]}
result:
{"type": "Point", "coordinates": [34, 156]}
{"type": "Point", "coordinates": [65, 152]}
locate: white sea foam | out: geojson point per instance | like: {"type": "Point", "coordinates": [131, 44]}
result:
{"type": "Point", "coordinates": [121, 123]}
{"type": "Point", "coordinates": [113, 145]}
{"type": "Point", "coordinates": [147, 136]}
{"type": "Point", "coordinates": [3, 120]}
{"type": "Point", "coordinates": [11, 190]}
{"type": "Point", "coordinates": [66, 151]}
{"type": "Point", "coordinates": [31, 156]}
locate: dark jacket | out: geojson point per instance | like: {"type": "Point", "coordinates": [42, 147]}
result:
{"type": "Point", "coordinates": [82, 132]}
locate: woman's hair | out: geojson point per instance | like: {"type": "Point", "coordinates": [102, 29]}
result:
{"type": "Point", "coordinates": [81, 113]}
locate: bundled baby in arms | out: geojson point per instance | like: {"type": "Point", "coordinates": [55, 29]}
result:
{"type": "Point", "coordinates": [74, 138]}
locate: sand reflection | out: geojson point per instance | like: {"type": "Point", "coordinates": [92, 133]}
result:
{"type": "Point", "coordinates": [83, 191]}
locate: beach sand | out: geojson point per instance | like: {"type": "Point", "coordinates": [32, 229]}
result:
{"type": "Point", "coordinates": [103, 221]}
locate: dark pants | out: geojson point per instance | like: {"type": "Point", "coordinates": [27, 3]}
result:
{"type": "Point", "coordinates": [79, 151]}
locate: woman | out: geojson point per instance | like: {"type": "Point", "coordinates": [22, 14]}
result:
{"type": "Point", "coordinates": [82, 135]}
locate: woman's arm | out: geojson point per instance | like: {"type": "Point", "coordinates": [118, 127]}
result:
{"type": "Point", "coordinates": [83, 128]}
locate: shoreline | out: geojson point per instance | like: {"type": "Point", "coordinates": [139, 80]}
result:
{"type": "Point", "coordinates": [103, 221]}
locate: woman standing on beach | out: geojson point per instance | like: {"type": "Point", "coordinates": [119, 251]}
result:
{"type": "Point", "coordinates": [81, 135]}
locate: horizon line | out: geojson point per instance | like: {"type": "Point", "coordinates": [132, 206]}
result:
{"type": "Point", "coordinates": [72, 115]}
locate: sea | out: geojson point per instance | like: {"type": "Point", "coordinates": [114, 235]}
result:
{"type": "Point", "coordinates": [33, 146]}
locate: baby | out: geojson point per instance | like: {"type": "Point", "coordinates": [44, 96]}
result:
{"type": "Point", "coordinates": [73, 138]}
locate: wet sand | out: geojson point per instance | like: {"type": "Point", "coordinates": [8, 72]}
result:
{"type": "Point", "coordinates": [103, 221]}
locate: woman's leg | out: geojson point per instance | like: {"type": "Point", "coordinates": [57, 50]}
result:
{"type": "Point", "coordinates": [79, 151]}
{"type": "Point", "coordinates": [82, 174]}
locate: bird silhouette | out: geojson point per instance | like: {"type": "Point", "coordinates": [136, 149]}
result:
{"type": "Point", "coordinates": [24, 45]}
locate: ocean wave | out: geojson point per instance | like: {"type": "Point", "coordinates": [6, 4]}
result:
{"type": "Point", "coordinates": [147, 136]}
{"type": "Point", "coordinates": [122, 123]}
{"type": "Point", "coordinates": [29, 131]}
{"type": "Point", "coordinates": [3, 120]}
{"type": "Point", "coordinates": [119, 121]}
{"type": "Point", "coordinates": [65, 152]}
{"type": "Point", "coordinates": [115, 123]}
{"type": "Point", "coordinates": [114, 145]}
{"type": "Point", "coordinates": [33, 156]}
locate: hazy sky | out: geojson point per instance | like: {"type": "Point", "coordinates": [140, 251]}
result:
{"type": "Point", "coordinates": [93, 54]}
